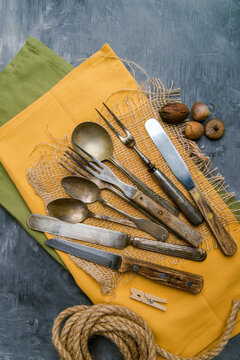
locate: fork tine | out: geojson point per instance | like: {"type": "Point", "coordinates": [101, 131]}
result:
{"type": "Point", "coordinates": [109, 124]}
{"type": "Point", "coordinates": [65, 166]}
{"type": "Point", "coordinates": [72, 160]}
{"type": "Point", "coordinates": [117, 119]}
{"type": "Point", "coordinates": [70, 156]}
{"type": "Point", "coordinates": [93, 172]}
{"type": "Point", "coordinates": [76, 170]}
{"type": "Point", "coordinates": [73, 169]}
{"type": "Point", "coordinates": [84, 159]}
{"type": "Point", "coordinates": [88, 155]}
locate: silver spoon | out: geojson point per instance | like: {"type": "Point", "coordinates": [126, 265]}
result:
{"type": "Point", "coordinates": [93, 138]}
{"type": "Point", "coordinates": [75, 211]}
{"type": "Point", "coordinates": [88, 192]}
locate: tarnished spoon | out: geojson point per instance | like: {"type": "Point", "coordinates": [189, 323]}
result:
{"type": "Point", "coordinates": [75, 211]}
{"type": "Point", "coordinates": [88, 192]}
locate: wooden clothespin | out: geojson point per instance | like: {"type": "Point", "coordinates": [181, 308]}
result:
{"type": "Point", "coordinates": [148, 299]}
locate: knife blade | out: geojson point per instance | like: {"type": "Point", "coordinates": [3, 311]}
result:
{"type": "Point", "coordinates": [181, 171]}
{"type": "Point", "coordinates": [110, 238]}
{"type": "Point", "coordinates": [178, 279]}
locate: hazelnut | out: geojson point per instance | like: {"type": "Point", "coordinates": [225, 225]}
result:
{"type": "Point", "coordinates": [200, 111]}
{"type": "Point", "coordinates": [214, 129]}
{"type": "Point", "coordinates": [174, 113]}
{"type": "Point", "coordinates": [193, 130]}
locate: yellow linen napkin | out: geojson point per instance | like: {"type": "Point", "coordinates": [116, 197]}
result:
{"type": "Point", "coordinates": [192, 323]}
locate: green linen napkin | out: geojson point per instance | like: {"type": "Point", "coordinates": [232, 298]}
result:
{"type": "Point", "coordinates": [32, 72]}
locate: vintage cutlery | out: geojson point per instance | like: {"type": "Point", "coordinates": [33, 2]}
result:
{"type": "Point", "coordinates": [75, 211]}
{"type": "Point", "coordinates": [179, 168]}
{"type": "Point", "coordinates": [173, 192]}
{"type": "Point", "coordinates": [103, 185]}
{"type": "Point", "coordinates": [110, 238]}
{"type": "Point", "coordinates": [101, 171]}
{"type": "Point", "coordinates": [178, 279]}
{"type": "Point", "coordinates": [93, 138]}
{"type": "Point", "coordinates": [88, 192]}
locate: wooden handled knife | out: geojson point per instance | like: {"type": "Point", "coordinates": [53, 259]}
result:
{"type": "Point", "coordinates": [178, 279]}
{"type": "Point", "coordinates": [179, 168]}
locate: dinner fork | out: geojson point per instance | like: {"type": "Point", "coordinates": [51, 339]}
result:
{"type": "Point", "coordinates": [173, 192]}
{"type": "Point", "coordinates": [102, 172]}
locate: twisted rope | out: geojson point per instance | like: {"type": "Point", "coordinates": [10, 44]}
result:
{"type": "Point", "coordinates": [74, 326]}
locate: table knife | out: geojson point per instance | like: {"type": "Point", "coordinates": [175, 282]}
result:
{"type": "Point", "coordinates": [179, 168]}
{"type": "Point", "coordinates": [178, 279]}
{"type": "Point", "coordinates": [110, 238]}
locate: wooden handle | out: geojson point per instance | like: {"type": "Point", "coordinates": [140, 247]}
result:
{"type": "Point", "coordinates": [145, 189]}
{"type": "Point", "coordinates": [178, 279]}
{"type": "Point", "coordinates": [185, 252]}
{"type": "Point", "coordinates": [178, 197]}
{"type": "Point", "coordinates": [172, 222]}
{"type": "Point", "coordinates": [225, 241]}
{"type": "Point", "coordinates": [156, 230]}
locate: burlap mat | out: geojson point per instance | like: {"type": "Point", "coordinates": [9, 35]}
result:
{"type": "Point", "coordinates": [45, 176]}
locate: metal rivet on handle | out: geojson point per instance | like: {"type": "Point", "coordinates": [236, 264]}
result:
{"type": "Point", "coordinates": [135, 267]}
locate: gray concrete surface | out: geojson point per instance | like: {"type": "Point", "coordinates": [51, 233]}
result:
{"type": "Point", "coordinates": [196, 44]}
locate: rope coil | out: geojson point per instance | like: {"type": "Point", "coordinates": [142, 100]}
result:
{"type": "Point", "coordinates": [74, 326]}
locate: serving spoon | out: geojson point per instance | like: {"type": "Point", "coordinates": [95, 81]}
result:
{"type": "Point", "coordinates": [93, 138]}
{"type": "Point", "coordinates": [87, 191]}
{"type": "Point", "coordinates": [75, 211]}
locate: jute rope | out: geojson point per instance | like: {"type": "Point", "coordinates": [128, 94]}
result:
{"type": "Point", "coordinates": [74, 327]}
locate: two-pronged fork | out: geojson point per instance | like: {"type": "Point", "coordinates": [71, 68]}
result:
{"type": "Point", "coordinates": [102, 172]}
{"type": "Point", "coordinates": [173, 192]}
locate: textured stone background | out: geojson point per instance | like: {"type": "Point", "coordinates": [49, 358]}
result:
{"type": "Point", "coordinates": [196, 44]}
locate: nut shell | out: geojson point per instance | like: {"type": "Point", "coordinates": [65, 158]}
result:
{"type": "Point", "coordinates": [194, 130]}
{"type": "Point", "coordinates": [214, 129]}
{"type": "Point", "coordinates": [200, 111]}
{"type": "Point", "coordinates": [174, 113]}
